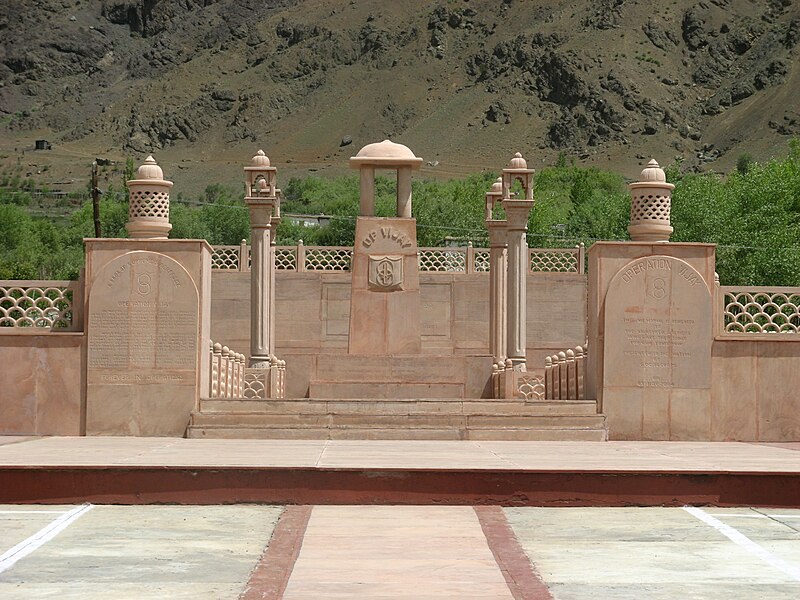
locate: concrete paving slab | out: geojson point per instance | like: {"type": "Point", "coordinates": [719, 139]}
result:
{"type": "Point", "coordinates": [146, 552]}
{"type": "Point", "coordinates": [634, 553]}
{"type": "Point", "coordinates": [21, 522]}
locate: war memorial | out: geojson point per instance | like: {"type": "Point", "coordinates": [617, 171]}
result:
{"type": "Point", "coordinates": [631, 340]}
{"type": "Point", "coordinates": [371, 349]}
{"type": "Point", "coordinates": [393, 421]}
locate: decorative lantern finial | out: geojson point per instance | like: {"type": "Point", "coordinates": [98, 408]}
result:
{"type": "Point", "coordinates": [651, 201]}
{"type": "Point", "coordinates": [148, 209]}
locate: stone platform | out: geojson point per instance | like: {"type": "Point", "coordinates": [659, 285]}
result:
{"type": "Point", "coordinates": [399, 418]}
{"type": "Point", "coordinates": [105, 470]}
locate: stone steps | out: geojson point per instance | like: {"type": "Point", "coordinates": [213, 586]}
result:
{"type": "Point", "coordinates": [386, 389]}
{"type": "Point", "coordinates": [261, 420]}
{"type": "Point", "coordinates": [411, 418]}
{"type": "Point", "coordinates": [320, 433]}
{"type": "Point", "coordinates": [404, 406]}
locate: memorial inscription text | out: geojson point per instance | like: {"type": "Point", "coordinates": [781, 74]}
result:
{"type": "Point", "coordinates": [658, 325]}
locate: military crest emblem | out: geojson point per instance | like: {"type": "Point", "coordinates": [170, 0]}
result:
{"type": "Point", "coordinates": [385, 273]}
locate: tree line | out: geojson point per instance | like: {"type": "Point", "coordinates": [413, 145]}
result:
{"type": "Point", "coordinates": [753, 214]}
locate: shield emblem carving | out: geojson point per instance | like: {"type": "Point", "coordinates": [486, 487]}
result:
{"type": "Point", "coordinates": [385, 273]}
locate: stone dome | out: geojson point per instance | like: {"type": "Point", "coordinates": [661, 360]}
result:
{"type": "Point", "coordinates": [497, 186]}
{"type": "Point", "coordinates": [518, 162]}
{"type": "Point", "coordinates": [653, 173]}
{"type": "Point", "coordinates": [385, 149]}
{"type": "Point", "coordinates": [149, 170]}
{"type": "Point", "coordinates": [260, 160]}
{"type": "Point", "coordinates": [387, 153]}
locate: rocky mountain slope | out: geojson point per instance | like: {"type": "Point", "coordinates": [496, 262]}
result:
{"type": "Point", "coordinates": [464, 83]}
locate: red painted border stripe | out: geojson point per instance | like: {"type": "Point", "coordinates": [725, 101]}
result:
{"type": "Point", "coordinates": [271, 575]}
{"type": "Point", "coordinates": [522, 579]}
{"type": "Point", "coordinates": [214, 485]}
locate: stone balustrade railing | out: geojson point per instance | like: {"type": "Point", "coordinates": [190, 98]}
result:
{"type": "Point", "coordinates": [557, 260]}
{"type": "Point", "coordinates": [231, 258]}
{"type": "Point", "coordinates": [227, 372]}
{"type": "Point", "coordinates": [564, 374]}
{"type": "Point", "coordinates": [765, 312]}
{"type": "Point", "coordinates": [231, 378]}
{"type": "Point", "coordinates": [265, 383]}
{"type": "Point", "coordinates": [464, 259]}
{"type": "Point", "coordinates": [41, 304]}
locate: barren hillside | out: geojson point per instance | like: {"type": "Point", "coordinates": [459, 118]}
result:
{"type": "Point", "coordinates": [464, 83]}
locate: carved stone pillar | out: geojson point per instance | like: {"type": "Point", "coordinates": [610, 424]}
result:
{"type": "Point", "coordinates": [262, 201]}
{"type": "Point", "coordinates": [498, 267]}
{"type": "Point", "coordinates": [261, 344]}
{"type": "Point", "coordinates": [367, 194]}
{"type": "Point", "coordinates": [404, 192]}
{"type": "Point", "coordinates": [517, 211]}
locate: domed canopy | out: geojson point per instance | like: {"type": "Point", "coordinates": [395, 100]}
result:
{"type": "Point", "coordinates": [517, 162]}
{"type": "Point", "coordinates": [385, 153]}
{"type": "Point", "coordinates": [149, 170]}
{"type": "Point", "coordinates": [497, 186]}
{"type": "Point", "coordinates": [260, 160]}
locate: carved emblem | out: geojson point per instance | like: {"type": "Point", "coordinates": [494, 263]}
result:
{"type": "Point", "coordinates": [144, 284]}
{"type": "Point", "coordinates": [385, 272]}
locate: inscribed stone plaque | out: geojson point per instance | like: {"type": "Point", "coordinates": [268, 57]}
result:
{"type": "Point", "coordinates": [143, 315]}
{"type": "Point", "coordinates": [657, 326]}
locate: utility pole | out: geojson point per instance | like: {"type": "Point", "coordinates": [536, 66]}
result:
{"type": "Point", "coordinates": [95, 200]}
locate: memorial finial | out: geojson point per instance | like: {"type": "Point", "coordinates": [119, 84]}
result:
{"type": "Point", "coordinates": [148, 208]}
{"type": "Point", "coordinates": [651, 202]}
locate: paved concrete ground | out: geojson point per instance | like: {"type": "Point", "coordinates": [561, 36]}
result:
{"type": "Point", "coordinates": [733, 457]}
{"type": "Point", "coordinates": [383, 552]}
{"type": "Point", "coordinates": [141, 552]}
{"type": "Point", "coordinates": [662, 553]}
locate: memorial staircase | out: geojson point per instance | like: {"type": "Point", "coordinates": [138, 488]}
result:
{"type": "Point", "coordinates": [395, 419]}
{"type": "Point", "coordinates": [414, 397]}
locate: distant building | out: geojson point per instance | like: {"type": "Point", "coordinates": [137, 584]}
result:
{"type": "Point", "coordinates": [43, 145]}
{"type": "Point", "coordinates": [308, 220]}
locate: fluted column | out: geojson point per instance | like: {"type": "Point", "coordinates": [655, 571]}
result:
{"type": "Point", "coordinates": [498, 267]}
{"type": "Point", "coordinates": [517, 212]}
{"type": "Point", "coordinates": [261, 278]}
{"type": "Point", "coordinates": [271, 269]}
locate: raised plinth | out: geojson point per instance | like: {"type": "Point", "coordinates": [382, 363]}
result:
{"type": "Point", "coordinates": [187, 471]}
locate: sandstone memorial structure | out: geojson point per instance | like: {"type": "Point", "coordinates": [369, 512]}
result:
{"type": "Point", "coordinates": [634, 340]}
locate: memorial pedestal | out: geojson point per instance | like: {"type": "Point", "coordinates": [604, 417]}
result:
{"type": "Point", "coordinates": [385, 301]}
